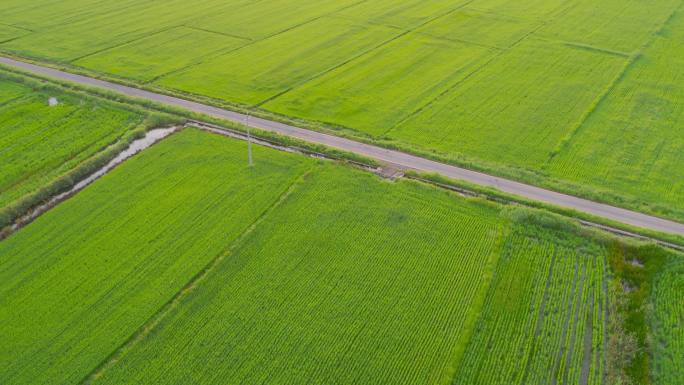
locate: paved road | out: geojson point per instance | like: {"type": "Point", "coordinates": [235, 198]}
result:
{"type": "Point", "coordinates": [395, 157]}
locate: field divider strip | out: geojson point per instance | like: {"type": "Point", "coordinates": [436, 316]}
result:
{"type": "Point", "coordinates": [402, 160]}
{"type": "Point", "coordinates": [148, 326]}
{"type": "Point", "coordinates": [215, 32]}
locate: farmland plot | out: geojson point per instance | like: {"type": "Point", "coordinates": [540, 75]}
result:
{"type": "Point", "coordinates": [521, 116]}
{"type": "Point", "coordinates": [11, 90]}
{"type": "Point", "coordinates": [43, 14]}
{"type": "Point", "coordinates": [527, 9]}
{"type": "Point", "coordinates": [258, 20]}
{"type": "Point", "coordinates": [669, 324]}
{"type": "Point", "coordinates": [404, 15]}
{"type": "Point", "coordinates": [80, 280]}
{"type": "Point", "coordinates": [272, 66]}
{"type": "Point", "coordinates": [39, 143]}
{"type": "Point", "coordinates": [77, 39]}
{"type": "Point", "coordinates": [482, 28]}
{"type": "Point", "coordinates": [543, 320]}
{"type": "Point", "coordinates": [377, 288]}
{"type": "Point", "coordinates": [617, 26]}
{"type": "Point", "coordinates": [159, 53]}
{"type": "Point", "coordinates": [634, 142]}
{"type": "Point", "coordinates": [382, 87]}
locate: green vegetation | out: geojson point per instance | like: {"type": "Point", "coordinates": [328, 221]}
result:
{"type": "Point", "coordinates": [81, 279]}
{"type": "Point", "coordinates": [157, 54]}
{"type": "Point", "coordinates": [184, 265]}
{"type": "Point", "coordinates": [41, 145]}
{"type": "Point", "coordinates": [668, 296]}
{"type": "Point", "coordinates": [346, 95]}
{"type": "Point", "coordinates": [287, 60]}
{"type": "Point", "coordinates": [373, 289]}
{"type": "Point", "coordinates": [635, 127]}
{"type": "Point", "coordinates": [545, 74]}
{"type": "Point", "coordinates": [580, 96]}
{"type": "Point", "coordinates": [184, 258]}
{"type": "Point", "coordinates": [544, 318]}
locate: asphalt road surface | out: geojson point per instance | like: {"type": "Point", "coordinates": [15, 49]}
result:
{"type": "Point", "coordinates": [396, 158]}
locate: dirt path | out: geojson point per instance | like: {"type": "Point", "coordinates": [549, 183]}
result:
{"type": "Point", "coordinates": [398, 159]}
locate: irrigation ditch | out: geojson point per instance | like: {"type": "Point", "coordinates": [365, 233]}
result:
{"type": "Point", "coordinates": [151, 137]}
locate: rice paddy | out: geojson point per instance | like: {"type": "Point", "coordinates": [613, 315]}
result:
{"type": "Point", "coordinates": [544, 319]}
{"type": "Point", "coordinates": [40, 143]}
{"type": "Point", "coordinates": [79, 281]}
{"type": "Point", "coordinates": [669, 324]}
{"type": "Point", "coordinates": [532, 90]}
{"type": "Point", "coordinates": [185, 265]}
{"type": "Point", "coordinates": [184, 258]}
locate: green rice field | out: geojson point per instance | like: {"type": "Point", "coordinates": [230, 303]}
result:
{"type": "Point", "coordinates": [39, 144]}
{"type": "Point", "coordinates": [185, 265]}
{"type": "Point", "coordinates": [580, 96]}
{"type": "Point", "coordinates": [79, 281]}
{"type": "Point", "coordinates": [669, 324]}
{"type": "Point", "coordinates": [544, 318]}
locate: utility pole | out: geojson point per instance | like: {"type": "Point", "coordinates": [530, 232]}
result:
{"type": "Point", "coordinates": [249, 141]}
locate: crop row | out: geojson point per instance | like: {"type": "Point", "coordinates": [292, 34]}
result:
{"type": "Point", "coordinates": [81, 279]}
{"type": "Point", "coordinates": [669, 324]}
{"type": "Point", "coordinates": [373, 289]}
{"type": "Point", "coordinates": [40, 143]}
{"type": "Point", "coordinates": [542, 320]}
{"type": "Point", "coordinates": [184, 265]}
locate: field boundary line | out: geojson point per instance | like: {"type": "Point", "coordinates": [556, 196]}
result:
{"type": "Point", "coordinates": [593, 48]}
{"type": "Point", "coordinates": [18, 27]}
{"type": "Point", "coordinates": [11, 39]}
{"type": "Point", "coordinates": [480, 301]}
{"type": "Point", "coordinates": [364, 53]}
{"type": "Point", "coordinates": [221, 52]}
{"type": "Point", "coordinates": [177, 299]}
{"type": "Point", "coordinates": [459, 41]}
{"type": "Point", "coordinates": [565, 142]}
{"type": "Point", "coordinates": [497, 54]}
{"type": "Point", "coordinates": [402, 160]}
{"type": "Point", "coordinates": [539, 24]}
{"type": "Point", "coordinates": [215, 32]}
{"type": "Point", "coordinates": [121, 44]}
